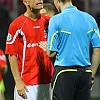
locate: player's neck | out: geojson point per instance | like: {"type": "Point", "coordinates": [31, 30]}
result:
{"type": "Point", "coordinates": [32, 15]}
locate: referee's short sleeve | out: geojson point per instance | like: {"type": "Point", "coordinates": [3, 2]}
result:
{"type": "Point", "coordinates": [53, 34]}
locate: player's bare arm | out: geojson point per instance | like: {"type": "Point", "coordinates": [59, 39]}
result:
{"type": "Point", "coordinates": [21, 87]}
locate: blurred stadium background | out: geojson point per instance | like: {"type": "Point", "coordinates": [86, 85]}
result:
{"type": "Point", "coordinates": [10, 9]}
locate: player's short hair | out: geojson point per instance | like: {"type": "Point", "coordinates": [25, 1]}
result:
{"type": "Point", "coordinates": [49, 7]}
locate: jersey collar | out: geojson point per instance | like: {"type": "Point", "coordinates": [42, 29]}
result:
{"type": "Point", "coordinates": [69, 8]}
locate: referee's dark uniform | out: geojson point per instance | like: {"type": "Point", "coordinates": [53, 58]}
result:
{"type": "Point", "coordinates": [70, 35]}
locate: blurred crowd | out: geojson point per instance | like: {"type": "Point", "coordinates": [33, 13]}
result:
{"type": "Point", "coordinates": [16, 7]}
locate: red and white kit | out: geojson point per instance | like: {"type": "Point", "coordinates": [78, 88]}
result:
{"type": "Point", "coordinates": [23, 40]}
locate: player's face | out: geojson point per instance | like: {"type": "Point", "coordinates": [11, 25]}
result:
{"type": "Point", "coordinates": [35, 4]}
{"type": "Point", "coordinates": [43, 11]}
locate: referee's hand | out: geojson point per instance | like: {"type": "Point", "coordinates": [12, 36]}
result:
{"type": "Point", "coordinates": [43, 45]}
{"type": "Point", "coordinates": [21, 89]}
{"type": "Point", "coordinates": [92, 84]}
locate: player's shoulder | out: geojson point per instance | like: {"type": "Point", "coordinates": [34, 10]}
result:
{"type": "Point", "coordinates": [18, 21]}
{"type": "Point", "coordinates": [45, 18]}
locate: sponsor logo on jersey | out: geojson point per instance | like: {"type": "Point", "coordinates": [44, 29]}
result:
{"type": "Point", "coordinates": [9, 37]}
{"type": "Point", "coordinates": [36, 27]}
{"type": "Point", "coordinates": [32, 45]}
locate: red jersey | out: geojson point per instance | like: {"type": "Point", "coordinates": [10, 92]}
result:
{"type": "Point", "coordinates": [23, 40]}
{"type": "Point", "coordinates": [3, 62]}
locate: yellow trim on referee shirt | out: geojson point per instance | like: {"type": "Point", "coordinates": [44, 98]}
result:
{"type": "Point", "coordinates": [95, 30]}
{"type": "Point", "coordinates": [63, 31]}
{"type": "Point", "coordinates": [52, 39]}
{"type": "Point", "coordinates": [89, 31]}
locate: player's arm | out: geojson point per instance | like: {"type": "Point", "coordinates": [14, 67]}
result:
{"type": "Point", "coordinates": [21, 87]}
{"type": "Point", "coordinates": [14, 68]}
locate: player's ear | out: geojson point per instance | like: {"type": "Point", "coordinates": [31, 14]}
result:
{"type": "Point", "coordinates": [58, 1]}
{"type": "Point", "coordinates": [25, 2]}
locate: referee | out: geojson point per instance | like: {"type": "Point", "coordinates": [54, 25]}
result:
{"type": "Point", "coordinates": [70, 34]}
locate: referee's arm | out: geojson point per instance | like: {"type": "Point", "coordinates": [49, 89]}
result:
{"type": "Point", "coordinates": [95, 61]}
{"type": "Point", "coordinates": [43, 45]}
{"type": "Point", "coordinates": [51, 53]}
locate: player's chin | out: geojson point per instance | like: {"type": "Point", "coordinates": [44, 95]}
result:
{"type": "Point", "coordinates": [39, 7]}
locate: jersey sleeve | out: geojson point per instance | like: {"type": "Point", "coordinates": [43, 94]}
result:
{"type": "Point", "coordinates": [12, 40]}
{"type": "Point", "coordinates": [95, 40]}
{"type": "Point", "coordinates": [53, 35]}
{"type": "Point", "coordinates": [3, 60]}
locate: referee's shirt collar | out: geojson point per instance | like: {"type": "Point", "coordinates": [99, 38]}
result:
{"type": "Point", "coordinates": [69, 8]}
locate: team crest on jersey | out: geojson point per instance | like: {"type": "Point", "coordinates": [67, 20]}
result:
{"type": "Point", "coordinates": [9, 37]}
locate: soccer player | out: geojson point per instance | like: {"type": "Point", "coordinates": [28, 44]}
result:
{"type": "Point", "coordinates": [70, 34]}
{"type": "Point", "coordinates": [31, 67]}
{"type": "Point", "coordinates": [3, 70]}
{"type": "Point", "coordinates": [48, 9]}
